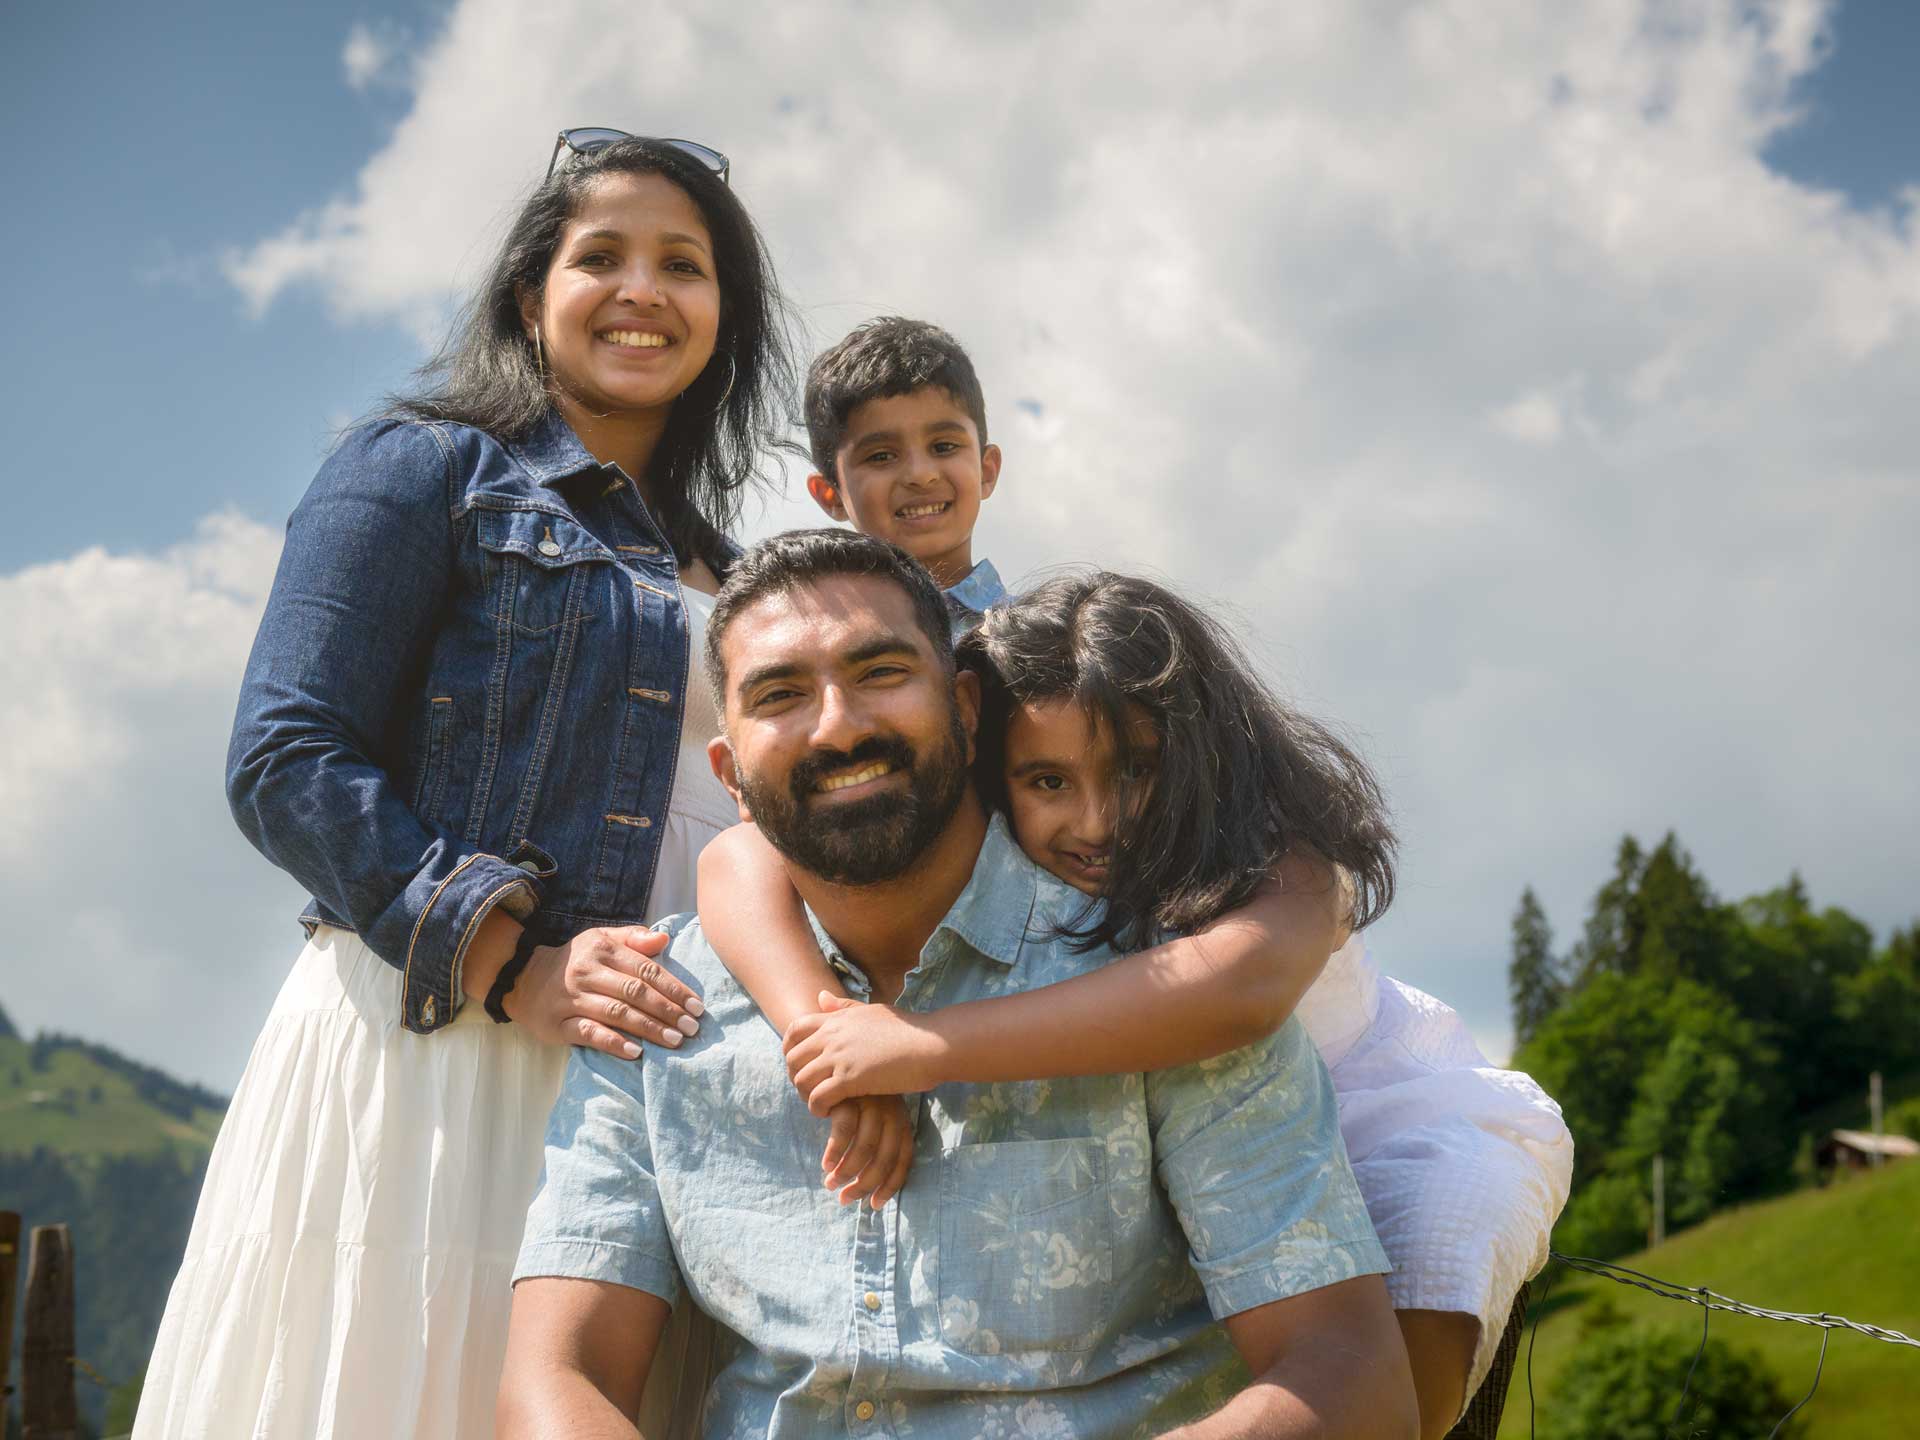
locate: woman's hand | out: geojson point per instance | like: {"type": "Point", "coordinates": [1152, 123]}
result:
{"type": "Point", "coordinates": [869, 1149]}
{"type": "Point", "coordinates": [602, 987]}
{"type": "Point", "coordinates": [847, 1049]}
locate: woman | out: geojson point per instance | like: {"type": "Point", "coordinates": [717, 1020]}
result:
{"type": "Point", "coordinates": [470, 728]}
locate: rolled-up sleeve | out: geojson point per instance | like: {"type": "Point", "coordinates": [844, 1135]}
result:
{"type": "Point", "coordinates": [364, 582]}
{"type": "Point", "coordinates": [598, 1215]}
{"type": "Point", "coordinates": [1249, 1149]}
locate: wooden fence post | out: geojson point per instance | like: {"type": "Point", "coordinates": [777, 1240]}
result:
{"type": "Point", "coordinates": [47, 1410]}
{"type": "Point", "coordinates": [9, 1274]}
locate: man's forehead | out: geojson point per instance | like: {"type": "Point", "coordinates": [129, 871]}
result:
{"type": "Point", "coordinates": [817, 621]}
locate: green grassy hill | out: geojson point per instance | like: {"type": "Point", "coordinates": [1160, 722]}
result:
{"type": "Point", "coordinates": [87, 1103]}
{"type": "Point", "coordinates": [115, 1150]}
{"type": "Point", "coordinates": [1852, 1249]}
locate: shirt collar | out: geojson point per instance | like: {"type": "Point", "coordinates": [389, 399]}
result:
{"type": "Point", "coordinates": [551, 452]}
{"type": "Point", "coordinates": [992, 914]}
{"type": "Point", "coordinates": [980, 589]}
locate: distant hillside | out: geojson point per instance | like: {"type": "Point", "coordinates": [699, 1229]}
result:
{"type": "Point", "coordinates": [1852, 1248]}
{"type": "Point", "coordinates": [87, 1101]}
{"type": "Point", "coordinates": [115, 1150]}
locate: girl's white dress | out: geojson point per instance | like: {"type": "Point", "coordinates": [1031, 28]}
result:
{"type": "Point", "coordinates": [349, 1270]}
{"type": "Point", "coordinates": [1464, 1167]}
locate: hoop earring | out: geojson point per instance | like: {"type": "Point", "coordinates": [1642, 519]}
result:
{"type": "Point", "coordinates": [733, 373]}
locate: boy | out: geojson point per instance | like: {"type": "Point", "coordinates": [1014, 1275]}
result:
{"type": "Point", "coordinates": [897, 428]}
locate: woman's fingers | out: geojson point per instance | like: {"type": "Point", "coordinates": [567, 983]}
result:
{"type": "Point", "coordinates": [622, 998]}
{"type": "Point", "coordinates": [642, 948]}
{"type": "Point", "coordinates": [582, 1031]}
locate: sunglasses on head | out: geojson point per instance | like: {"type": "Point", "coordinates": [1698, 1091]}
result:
{"type": "Point", "coordinates": [587, 139]}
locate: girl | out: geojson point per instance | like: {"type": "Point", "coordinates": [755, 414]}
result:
{"type": "Point", "coordinates": [1139, 762]}
{"type": "Point", "coordinates": [470, 729]}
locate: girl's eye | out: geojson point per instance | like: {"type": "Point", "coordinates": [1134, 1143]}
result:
{"type": "Point", "coordinates": [1052, 784]}
{"type": "Point", "coordinates": [876, 457]}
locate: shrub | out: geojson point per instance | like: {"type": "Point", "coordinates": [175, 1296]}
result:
{"type": "Point", "coordinates": [1625, 1384]}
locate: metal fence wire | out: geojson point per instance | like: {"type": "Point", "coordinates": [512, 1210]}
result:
{"type": "Point", "coordinates": [1709, 1301]}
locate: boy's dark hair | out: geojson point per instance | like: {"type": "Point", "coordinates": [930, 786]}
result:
{"type": "Point", "coordinates": [1240, 779]}
{"type": "Point", "coordinates": [880, 359]}
{"type": "Point", "coordinates": [488, 376]}
{"type": "Point", "coordinates": [795, 558]}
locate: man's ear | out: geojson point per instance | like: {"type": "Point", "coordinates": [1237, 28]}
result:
{"type": "Point", "coordinates": [966, 695]}
{"type": "Point", "coordinates": [826, 495]}
{"type": "Point", "coordinates": [989, 470]}
{"type": "Point", "coordinates": [720, 757]}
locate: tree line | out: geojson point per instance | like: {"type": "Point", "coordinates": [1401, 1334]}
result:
{"type": "Point", "coordinates": [1707, 1032]}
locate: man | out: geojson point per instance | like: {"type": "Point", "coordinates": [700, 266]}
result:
{"type": "Point", "coordinates": [1056, 1261]}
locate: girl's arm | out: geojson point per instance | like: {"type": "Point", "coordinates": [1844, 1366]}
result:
{"type": "Point", "coordinates": [1225, 986]}
{"type": "Point", "coordinates": [754, 920]}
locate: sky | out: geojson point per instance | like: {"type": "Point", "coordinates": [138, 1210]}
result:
{"type": "Point", "coordinates": [1531, 385]}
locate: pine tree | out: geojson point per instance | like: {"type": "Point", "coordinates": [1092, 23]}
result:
{"type": "Point", "coordinates": [1534, 982]}
{"type": "Point", "coordinates": [1611, 940]}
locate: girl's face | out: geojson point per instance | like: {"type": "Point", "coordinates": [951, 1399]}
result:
{"type": "Point", "coordinates": [631, 307]}
{"type": "Point", "coordinates": [1063, 777]}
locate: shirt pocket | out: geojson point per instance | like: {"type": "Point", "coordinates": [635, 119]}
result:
{"type": "Point", "coordinates": [1026, 1246]}
{"type": "Point", "coordinates": [553, 571]}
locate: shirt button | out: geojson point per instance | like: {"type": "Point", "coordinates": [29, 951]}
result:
{"type": "Point", "coordinates": [549, 548]}
{"type": "Point", "coordinates": [863, 1411]}
{"type": "Point", "coordinates": [870, 1300]}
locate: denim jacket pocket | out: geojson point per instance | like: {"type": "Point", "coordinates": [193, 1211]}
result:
{"type": "Point", "coordinates": [547, 564]}
{"type": "Point", "coordinates": [1026, 1246]}
{"type": "Point", "coordinates": [430, 791]}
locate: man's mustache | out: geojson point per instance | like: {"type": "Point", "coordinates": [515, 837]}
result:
{"type": "Point", "coordinates": [816, 765]}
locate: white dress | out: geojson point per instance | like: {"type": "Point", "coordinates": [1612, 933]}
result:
{"type": "Point", "coordinates": [1464, 1166]}
{"type": "Point", "coordinates": [349, 1270]}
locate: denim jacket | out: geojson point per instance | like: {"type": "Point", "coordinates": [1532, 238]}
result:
{"type": "Point", "coordinates": [466, 692]}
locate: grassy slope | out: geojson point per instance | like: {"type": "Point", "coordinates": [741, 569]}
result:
{"type": "Point", "coordinates": [1852, 1249]}
{"type": "Point", "coordinates": [53, 1107]}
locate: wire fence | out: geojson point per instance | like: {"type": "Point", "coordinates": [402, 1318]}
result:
{"type": "Point", "coordinates": [1709, 1301]}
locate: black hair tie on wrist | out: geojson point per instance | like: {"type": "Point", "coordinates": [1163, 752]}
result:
{"type": "Point", "coordinates": [509, 973]}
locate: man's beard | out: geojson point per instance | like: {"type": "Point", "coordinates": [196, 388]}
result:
{"type": "Point", "coordinates": [872, 840]}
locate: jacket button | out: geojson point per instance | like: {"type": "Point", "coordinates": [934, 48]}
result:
{"type": "Point", "coordinates": [532, 867]}
{"type": "Point", "coordinates": [549, 548]}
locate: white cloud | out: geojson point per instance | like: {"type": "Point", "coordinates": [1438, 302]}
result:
{"type": "Point", "coordinates": [127, 883]}
{"type": "Point", "coordinates": [372, 53]}
{"type": "Point", "coordinates": [1288, 284]}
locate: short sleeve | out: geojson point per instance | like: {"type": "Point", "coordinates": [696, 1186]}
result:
{"type": "Point", "coordinates": [597, 1215]}
{"type": "Point", "coordinates": [1248, 1146]}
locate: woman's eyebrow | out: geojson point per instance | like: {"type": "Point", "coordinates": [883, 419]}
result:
{"type": "Point", "coordinates": [671, 237]}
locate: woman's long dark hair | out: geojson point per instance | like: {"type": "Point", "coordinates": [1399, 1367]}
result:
{"type": "Point", "coordinates": [714, 446]}
{"type": "Point", "coordinates": [1240, 777]}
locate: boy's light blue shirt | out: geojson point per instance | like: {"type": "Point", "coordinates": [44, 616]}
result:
{"type": "Point", "coordinates": [977, 593]}
{"type": "Point", "coordinates": [1057, 1258]}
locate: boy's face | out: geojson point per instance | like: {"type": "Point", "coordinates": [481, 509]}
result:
{"type": "Point", "coordinates": [912, 470]}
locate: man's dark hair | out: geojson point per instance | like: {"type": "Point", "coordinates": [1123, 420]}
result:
{"type": "Point", "coordinates": [797, 558]}
{"type": "Point", "coordinates": [883, 358]}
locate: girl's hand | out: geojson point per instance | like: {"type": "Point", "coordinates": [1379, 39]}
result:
{"type": "Point", "coordinates": [848, 1049]}
{"type": "Point", "coordinates": [869, 1149]}
{"type": "Point", "coordinates": [600, 984]}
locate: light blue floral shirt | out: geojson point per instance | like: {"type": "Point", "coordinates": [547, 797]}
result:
{"type": "Point", "coordinates": [979, 591]}
{"type": "Point", "coordinates": [1055, 1263]}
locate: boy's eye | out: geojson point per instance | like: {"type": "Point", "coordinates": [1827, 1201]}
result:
{"type": "Point", "coordinates": [876, 457]}
{"type": "Point", "coordinates": [945, 447]}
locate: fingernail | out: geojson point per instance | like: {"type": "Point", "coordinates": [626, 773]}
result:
{"type": "Point", "coordinates": [694, 1007]}
{"type": "Point", "coordinates": [630, 1050]}
{"type": "Point", "coordinates": [688, 1025]}
{"type": "Point", "coordinates": [672, 1037]}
